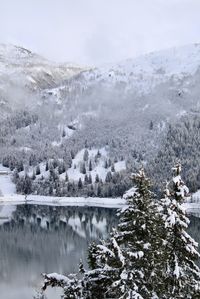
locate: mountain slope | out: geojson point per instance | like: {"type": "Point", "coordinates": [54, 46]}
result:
{"type": "Point", "coordinates": [144, 73]}
{"type": "Point", "coordinates": [52, 110]}
{"type": "Point", "coordinates": [24, 74]}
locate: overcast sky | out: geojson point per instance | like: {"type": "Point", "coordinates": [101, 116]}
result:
{"type": "Point", "coordinates": [98, 31]}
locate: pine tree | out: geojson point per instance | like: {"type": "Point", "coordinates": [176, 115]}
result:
{"type": "Point", "coordinates": [32, 160]}
{"type": "Point", "coordinates": [37, 171]}
{"type": "Point", "coordinates": [15, 175]}
{"type": "Point", "coordinates": [113, 168]}
{"type": "Point", "coordinates": [20, 166]}
{"type": "Point", "coordinates": [61, 168]}
{"type": "Point", "coordinates": [90, 165]}
{"type": "Point", "coordinates": [148, 256]}
{"type": "Point", "coordinates": [86, 155]}
{"type": "Point", "coordinates": [182, 276]}
{"type": "Point", "coordinates": [33, 175]}
{"type": "Point", "coordinates": [90, 179]}
{"type": "Point", "coordinates": [115, 160]}
{"type": "Point", "coordinates": [97, 178]}
{"type": "Point", "coordinates": [132, 258]}
{"type": "Point", "coordinates": [82, 168]}
{"type": "Point", "coordinates": [137, 234]}
{"type": "Point", "coordinates": [27, 185]}
{"type": "Point", "coordinates": [52, 173]}
{"type": "Point", "coordinates": [98, 154]}
{"type": "Point", "coordinates": [86, 180]}
{"type": "Point", "coordinates": [80, 184]}
{"type": "Point", "coordinates": [55, 163]}
{"type": "Point", "coordinates": [91, 191]}
{"type": "Point", "coordinates": [109, 162]}
{"type": "Point", "coordinates": [98, 192]}
{"type": "Point", "coordinates": [63, 133]}
{"type": "Point", "coordinates": [127, 265]}
{"type": "Point", "coordinates": [108, 177]}
{"type": "Point", "coordinates": [72, 154]}
{"type": "Point", "coordinates": [151, 125]}
{"type": "Point", "coordinates": [66, 177]}
{"type": "Point", "coordinates": [106, 164]}
{"type": "Point", "coordinates": [47, 166]}
{"type": "Point", "coordinates": [12, 166]}
{"type": "Point", "coordinates": [50, 190]}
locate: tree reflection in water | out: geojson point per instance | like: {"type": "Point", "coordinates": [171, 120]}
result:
{"type": "Point", "coordinates": [48, 239]}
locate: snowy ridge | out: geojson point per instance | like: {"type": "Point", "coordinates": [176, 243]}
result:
{"type": "Point", "coordinates": [26, 71]}
{"type": "Point", "coordinates": [171, 61]}
{"type": "Point", "coordinates": [147, 71]}
{"type": "Point", "coordinates": [14, 54]}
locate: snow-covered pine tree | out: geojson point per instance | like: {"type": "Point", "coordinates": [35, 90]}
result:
{"type": "Point", "coordinates": [80, 184]}
{"type": "Point", "coordinates": [90, 165]}
{"type": "Point", "coordinates": [97, 178]}
{"type": "Point", "coordinates": [85, 155]}
{"type": "Point", "coordinates": [181, 274]}
{"type": "Point", "coordinates": [83, 168]}
{"type": "Point", "coordinates": [47, 166]}
{"type": "Point", "coordinates": [137, 235]}
{"type": "Point", "coordinates": [127, 265]}
{"type": "Point", "coordinates": [37, 171]}
{"type": "Point", "coordinates": [86, 180]}
{"type": "Point", "coordinates": [90, 179]}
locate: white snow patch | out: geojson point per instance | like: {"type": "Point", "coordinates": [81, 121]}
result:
{"type": "Point", "coordinates": [97, 167]}
{"type": "Point", "coordinates": [63, 201]}
{"type": "Point", "coordinates": [120, 166]}
{"type": "Point", "coordinates": [7, 187]}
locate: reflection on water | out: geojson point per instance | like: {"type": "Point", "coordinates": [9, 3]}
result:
{"type": "Point", "coordinates": [194, 231]}
{"type": "Point", "coordinates": [36, 239]}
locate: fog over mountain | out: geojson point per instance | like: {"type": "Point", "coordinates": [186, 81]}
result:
{"type": "Point", "coordinates": [52, 111]}
{"type": "Point", "coordinates": [94, 32]}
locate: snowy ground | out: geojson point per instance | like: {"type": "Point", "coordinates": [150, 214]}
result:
{"type": "Point", "coordinates": [8, 196]}
{"type": "Point", "coordinates": [63, 201]}
{"type": "Point", "coordinates": [7, 187]}
{"type": "Point", "coordinates": [74, 173]}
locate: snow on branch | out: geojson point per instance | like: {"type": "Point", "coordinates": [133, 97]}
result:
{"type": "Point", "coordinates": [119, 252]}
{"type": "Point", "coordinates": [55, 280]}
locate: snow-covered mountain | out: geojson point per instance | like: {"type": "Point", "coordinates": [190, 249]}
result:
{"type": "Point", "coordinates": [52, 109]}
{"type": "Point", "coordinates": [164, 81]}
{"type": "Point", "coordinates": [23, 74]}
{"type": "Point", "coordinates": [38, 72]}
{"type": "Point", "coordinates": [144, 73]}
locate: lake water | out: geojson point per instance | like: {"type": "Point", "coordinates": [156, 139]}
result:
{"type": "Point", "coordinates": [36, 239]}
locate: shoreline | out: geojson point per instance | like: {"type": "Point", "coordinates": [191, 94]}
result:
{"type": "Point", "coordinates": [18, 199]}
{"type": "Point", "coordinates": [62, 201]}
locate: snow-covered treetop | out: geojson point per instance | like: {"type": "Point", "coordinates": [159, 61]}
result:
{"type": "Point", "coordinates": [181, 190]}
{"type": "Point", "coordinates": [177, 168]}
{"type": "Point", "coordinates": [130, 193]}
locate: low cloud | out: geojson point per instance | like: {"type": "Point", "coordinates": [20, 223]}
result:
{"type": "Point", "coordinates": [98, 31]}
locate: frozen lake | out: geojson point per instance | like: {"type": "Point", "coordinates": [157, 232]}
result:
{"type": "Point", "coordinates": [36, 239]}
